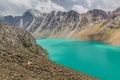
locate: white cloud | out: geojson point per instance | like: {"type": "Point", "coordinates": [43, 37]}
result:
{"type": "Point", "coordinates": [27, 3]}
{"type": "Point", "coordinates": [110, 4]}
{"type": "Point", "coordinates": [89, 3]}
{"type": "Point", "coordinates": [18, 7]}
{"type": "Point", "coordinates": [48, 6]}
{"type": "Point", "coordinates": [79, 8]}
{"type": "Point", "coordinates": [14, 7]}
{"type": "Point", "coordinates": [74, 0]}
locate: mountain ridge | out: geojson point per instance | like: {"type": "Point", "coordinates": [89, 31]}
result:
{"type": "Point", "coordinates": [89, 26]}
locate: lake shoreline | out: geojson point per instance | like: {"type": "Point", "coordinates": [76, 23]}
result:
{"type": "Point", "coordinates": [89, 57]}
{"type": "Point", "coordinates": [104, 42]}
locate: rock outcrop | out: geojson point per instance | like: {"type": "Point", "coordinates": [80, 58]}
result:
{"type": "Point", "coordinates": [22, 59]}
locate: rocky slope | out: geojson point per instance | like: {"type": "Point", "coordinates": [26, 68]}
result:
{"type": "Point", "coordinates": [22, 59]}
{"type": "Point", "coordinates": [96, 24]}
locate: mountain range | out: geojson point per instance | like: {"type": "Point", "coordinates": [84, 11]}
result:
{"type": "Point", "coordinates": [95, 24]}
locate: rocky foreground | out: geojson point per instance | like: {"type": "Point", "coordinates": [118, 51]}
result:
{"type": "Point", "coordinates": [22, 59]}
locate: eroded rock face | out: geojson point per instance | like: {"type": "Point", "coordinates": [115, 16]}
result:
{"type": "Point", "coordinates": [22, 59]}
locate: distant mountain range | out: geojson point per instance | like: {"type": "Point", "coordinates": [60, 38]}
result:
{"type": "Point", "coordinates": [95, 24]}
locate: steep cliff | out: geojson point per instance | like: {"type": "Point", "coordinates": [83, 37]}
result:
{"type": "Point", "coordinates": [22, 59]}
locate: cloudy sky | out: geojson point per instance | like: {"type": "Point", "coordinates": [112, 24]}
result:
{"type": "Point", "coordinates": [18, 7]}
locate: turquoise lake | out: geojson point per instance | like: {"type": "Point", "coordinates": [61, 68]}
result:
{"type": "Point", "coordinates": [93, 58]}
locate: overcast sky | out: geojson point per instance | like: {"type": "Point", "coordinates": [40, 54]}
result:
{"type": "Point", "coordinates": [18, 7]}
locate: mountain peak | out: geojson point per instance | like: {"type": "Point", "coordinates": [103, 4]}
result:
{"type": "Point", "coordinates": [72, 11]}
{"type": "Point", "coordinates": [97, 12]}
{"type": "Point", "coordinates": [33, 12]}
{"type": "Point", "coordinates": [117, 10]}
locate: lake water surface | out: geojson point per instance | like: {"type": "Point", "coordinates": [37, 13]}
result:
{"type": "Point", "coordinates": [93, 58]}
